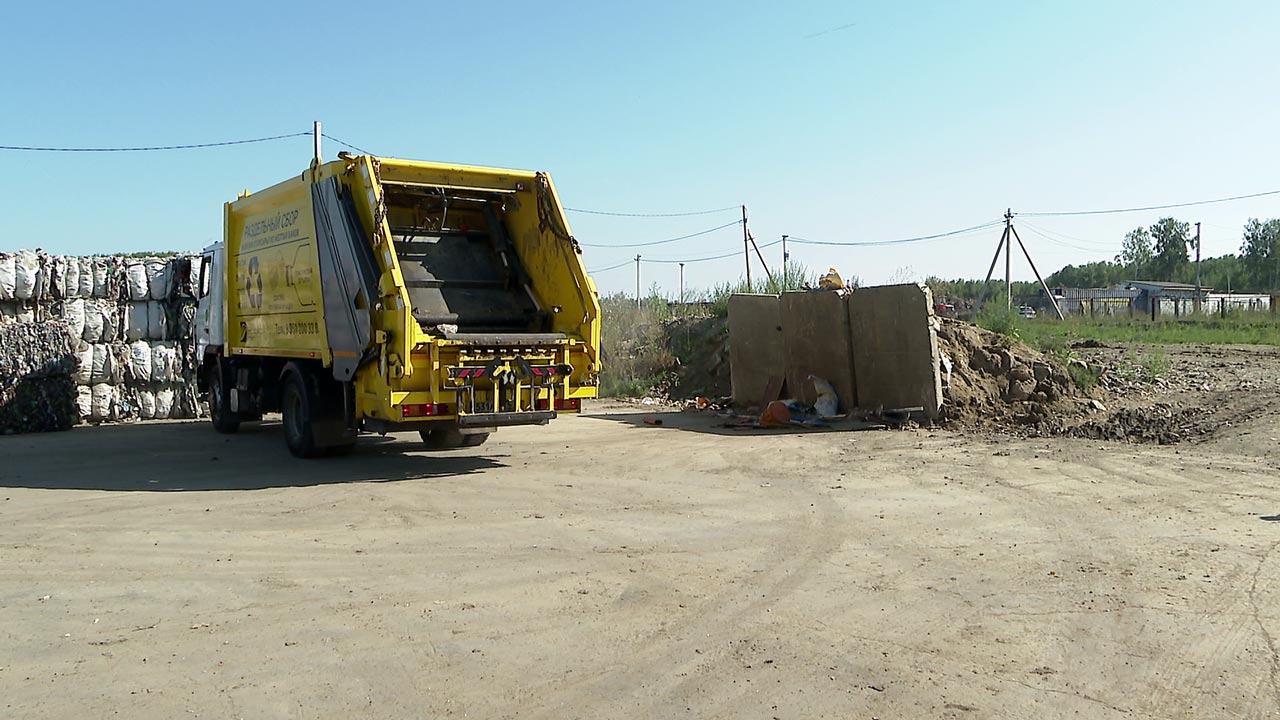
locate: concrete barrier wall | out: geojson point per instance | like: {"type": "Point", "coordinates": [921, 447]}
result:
{"type": "Point", "coordinates": [895, 348]}
{"type": "Point", "coordinates": [816, 341]}
{"type": "Point", "coordinates": [755, 346]}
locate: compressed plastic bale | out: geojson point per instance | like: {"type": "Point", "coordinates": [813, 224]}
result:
{"type": "Point", "coordinates": [35, 350]}
{"type": "Point", "coordinates": [84, 365]}
{"type": "Point", "coordinates": [52, 283]}
{"type": "Point", "coordinates": [164, 403]}
{"type": "Point", "coordinates": [136, 281]}
{"type": "Point", "coordinates": [71, 277]}
{"type": "Point", "coordinates": [84, 401]}
{"type": "Point", "coordinates": [100, 367]}
{"type": "Point", "coordinates": [135, 321]}
{"type": "Point", "coordinates": [140, 362]}
{"type": "Point", "coordinates": [86, 278]}
{"type": "Point", "coordinates": [100, 276]}
{"type": "Point", "coordinates": [38, 404]}
{"type": "Point", "coordinates": [26, 274]}
{"type": "Point", "coordinates": [146, 403]}
{"type": "Point", "coordinates": [8, 277]}
{"type": "Point", "coordinates": [164, 362]}
{"type": "Point", "coordinates": [92, 322]}
{"type": "Point", "coordinates": [102, 401]}
{"type": "Point", "coordinates": [157, 321]}
{"type": "Point", "coordinates": [158, 278]}
{"type": "Point", "coordinates": [73, 314]}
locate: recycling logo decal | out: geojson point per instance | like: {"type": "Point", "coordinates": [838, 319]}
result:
{"type": "Point", "coordinates": [253, 283]}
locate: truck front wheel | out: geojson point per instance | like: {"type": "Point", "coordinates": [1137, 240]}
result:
{"type": "Point", "coordinates": [296, 403]}
{"type": "Point", "coordinates": [224, 421]}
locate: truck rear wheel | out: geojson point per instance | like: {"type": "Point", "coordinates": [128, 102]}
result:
{"type": "Point", "coordinates": [224, 421]}
{"type": "Point", "coordinates": [296, 406]}
{"type": "Point", "coordinates": [451, 438]}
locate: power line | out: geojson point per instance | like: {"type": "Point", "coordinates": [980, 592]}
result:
{"type": "Point", "coordinates": [345, 144]}
{"type": "Point", "coordinates": [735, 253]}
{"type": "Point", "coordinates": [900, 241]}
{"type": "Point", "coordinates": [1066, 240]}
{"type": "Point", "coordinates": [668, 240]}
{"type": "Point", "coordinates": [158, 147]}
{"type": "Point", "coordinates": [653, 215]}
{"type": "Point", "coordinates": [611, 267]}
{"type": "Point", "coordinates": [1152, 207]}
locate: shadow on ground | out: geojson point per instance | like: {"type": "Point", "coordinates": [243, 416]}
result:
{"type": "Point", "coordinates": [190, 456]}
{"type": "Point", "coordinates": [715, 424]}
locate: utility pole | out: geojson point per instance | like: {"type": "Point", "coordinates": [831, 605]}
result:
{"type": "Point", "coordinates": [784, 259]}
{"type": "Point", "coordinates": [1197, 302]}
{"type": "Point", "coordinates": [637, 281]}
{"type": "Point", "coordinates": [1008, 275]}
{"type": "Point", "coordinates": [315, 138]}
{"type": "Point", "coordinates": [746, 246]}
{"type": "Point", "coordinates": [682, 284]}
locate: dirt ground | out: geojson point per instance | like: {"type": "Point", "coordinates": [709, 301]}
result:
{"type": "Point", "coordinates": [604, 568]}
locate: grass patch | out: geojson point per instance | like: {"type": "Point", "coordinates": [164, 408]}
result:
{"type": "Point", "coordinates": [1002, 321]}
{"type": "Point", "coordinates": [1235, 329]}
{"type": "Point", "coordinates": [1084, 377]}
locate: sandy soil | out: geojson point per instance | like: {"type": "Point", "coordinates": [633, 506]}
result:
{"type": "Point", "coordinates": [603, 568]}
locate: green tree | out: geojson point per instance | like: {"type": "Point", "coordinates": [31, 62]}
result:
{"type": "Point", "coordinates": [1136, 251]}
{"type": "Point", "coordinates": [1170, 239]}
{"type": "Point", "coordinates": [1260, 253]}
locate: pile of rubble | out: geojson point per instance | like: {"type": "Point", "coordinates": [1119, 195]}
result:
{"type": "Point", "coordinates": [129, 322]}
{"type": "Point", "coordinates": [1000, 383]}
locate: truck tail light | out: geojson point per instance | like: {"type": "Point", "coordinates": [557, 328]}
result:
{"type": "Point", "coordinates": [425, 410]}
{"type": "Point", "coordinates": [570, 405]}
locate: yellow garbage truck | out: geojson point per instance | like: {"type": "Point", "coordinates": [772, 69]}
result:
{"type": "Point", "coordinates": [381, 295]}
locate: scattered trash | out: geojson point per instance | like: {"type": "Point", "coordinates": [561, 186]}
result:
{"type": "Point", "coordinates": [831, 281]}
{"type": "Point", "coordinates": [827, 405]}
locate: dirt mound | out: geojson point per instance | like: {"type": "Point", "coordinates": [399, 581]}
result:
{"type": "Point", "coordinates": [1162, 423]}
{"type": "Point", "coordinates": [998, 382]}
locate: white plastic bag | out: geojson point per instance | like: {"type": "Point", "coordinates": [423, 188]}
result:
{"type": "Point", "coordinates": [73, 313]}
{"type": "Point", "coordinates": [102, 402]}
{"type": "Point", "coordinates": [100, 277]}
{"type": "Point", "coordinates": [84, 401]}
{"type": "Point", "coordinates": [158, 278]}
{"type": "Point", "coordinates": [157, 321]}
{"type": "Point", "coordinates": [164, 362]}
{"type": "Point", "coordinates": [102, 366]}
{"type": "Point", "coordinates": [146, 403]}
{"type": "Point", "coordinates": [164, 403]}
{"type": "Point", "coordinates": [135, 321]}
{"type": "Point", "coordinates": [71, 277]}
{"type": "Point", "coordinates": [84, 369]}
{"type": "Point", "coordinates": [92, 322]}
{"type": "Point", "coordinates": [140, 362]}
{"type": "Point", "coordinates": [86, 278]}
{"type": "Point", "coordinates": [26, 274]}
{"type": "Point", "coordinates": [827, 404]}
{"type": "Point", "coordinates": [136, 279]}
{"type": "Point", "coordinates": [8, 279]}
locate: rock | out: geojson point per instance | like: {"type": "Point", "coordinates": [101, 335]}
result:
{"type": "Point", "coordinates": [1020, 373]}
{"type": "Point", "coordinates": [1041, 370]}
{"type": "Point", "coordinates": [1019, 390]}
{"type": "Point", "coordinates": [1097, 405]}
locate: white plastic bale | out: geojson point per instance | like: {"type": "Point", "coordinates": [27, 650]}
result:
{"type": "Point", "coordinates": [84, 369]}
{"type": "Point", "coordinates": [159, 278]}
{"type": "Point", "coordinates": [136, 280]}
{"type": "Point", "coordinates": [84, 401]}
{"type": "Point", "coordinates": [146, 403]}
{"type": "Point", "coordinates": [92, 322]}
{"type": "Point", "coordinates": [135, 321]}
{"type": "Point", "coordinates": [8, 278]}
{"type": "Point", "coordinates": [102, 402]}
{"type": "Point", "coordinates": [164, 362]}
{"type": "Point", "coordinates": [157, 321]}
{"type": "Point", "coordinates": [26, 274]}
{"type": "Point", "coordinates": [86, 278]}
{"type": "Point", "coordinates": [100, 268]}
{"type": "Point", "coordinates": [73, 313]}
{"type": "Point", "coordinates": [164, 403]}
{"type": "Point", "coordinates": [140, 362]}
{"type": "Point", "coordinates": [71, 277]}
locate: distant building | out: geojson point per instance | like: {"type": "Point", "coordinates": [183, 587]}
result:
{"type": "Point", "coordinates": [1137, 297]}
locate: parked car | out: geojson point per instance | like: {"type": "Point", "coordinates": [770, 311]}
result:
{"type": "Point", "coordinates": [1026, 311]}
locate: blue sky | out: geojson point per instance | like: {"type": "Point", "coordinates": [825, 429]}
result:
{"type": "Point", "coordinates": [918, 118]}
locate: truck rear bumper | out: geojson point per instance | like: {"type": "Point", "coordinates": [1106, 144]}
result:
{"type": "Point", "coordinates": [508, 418]}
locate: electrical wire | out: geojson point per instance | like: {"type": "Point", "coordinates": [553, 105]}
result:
{"type": "Point", "coordinates": [1036, 231]}
{"type": "Point", "coordinates": [706, 259]}
{"type": "Point", "coordinates": [1150, 207]}
{"type": "Point", "coordinates": [157, 147]}
{"type": "Point", "coordinates": [668, 240]}
{"type": "Point", "coordinates": [1067, 240]}
{"type": "Point", "coordinates": [900, 241]}
{"type": "Point", "coordinates": [654, 215]}
{"type": "Point", "coordinates": [345, 144]}
{"type": "Point", "coordinates": [611, 267]}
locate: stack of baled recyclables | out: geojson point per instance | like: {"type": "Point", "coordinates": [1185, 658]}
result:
{"type": "Point", "coordinates": [130, 322]}
{"type": "Point", "coordinates": [877, 347]}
